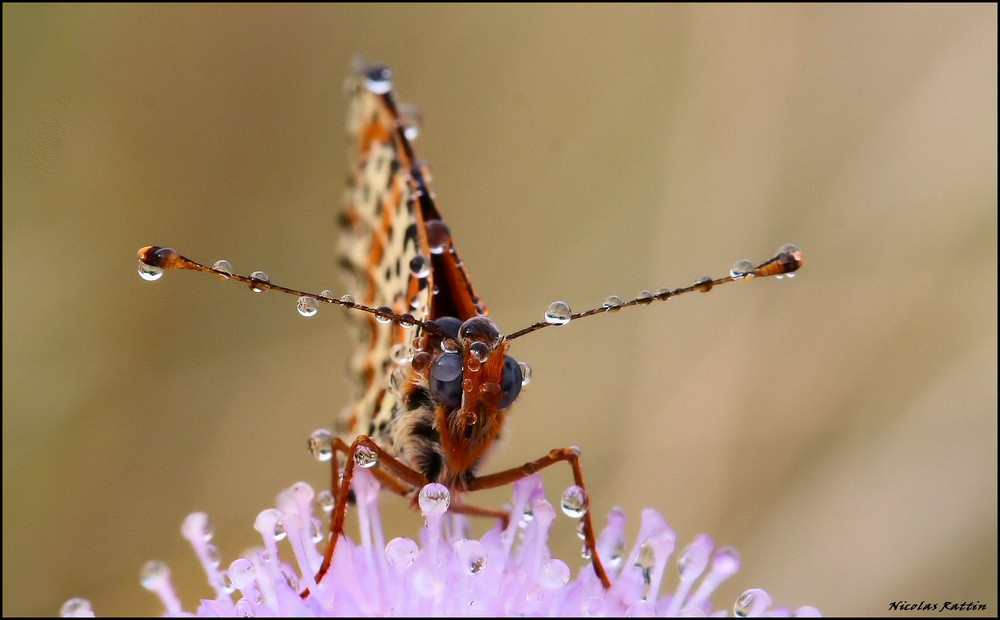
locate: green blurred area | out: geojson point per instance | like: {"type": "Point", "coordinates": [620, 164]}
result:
{"type": "Point", "coordinates": [839, 429]}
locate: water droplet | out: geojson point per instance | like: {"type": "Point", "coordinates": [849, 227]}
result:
{"type": "Point", "coordinates": [641, 609]}
{"type": "Point", "coordinates": [558, 313]}
{"type": "Point", "coordinates": [77, 608]}
{"type": "Point", "coordinates": [260, 281]}
{"type": "Point", "coordinates": [327, 294]}
{"type": "Point", "coordinates": [401, 552]}
{"type": "Point", "coordinates": [694, 559]}
{"type": "Point", "coordinates": [434, 499]}
{"type": "Point", "coordinates": [378, 80]}
{"type": "Point", "coordinates": [595, 607]}
{"type": "Point", "coordinates": [244, 609]}
{"type": "Point", "coordinates": [242, 573]}
{"type": "Point", "coordinates": [613, 303]}
{"type": "Point", "coordinates": [148, 273]}
{"type": "Point", "coordinates": [480, 351]}
{"type": "Point", "coordinates": [154, 575]}
{"type": "Point", "coordinates": [198, 526]}
{"type": "Point", "coordinates": [410, 117]}
{"type": "Point", "coordinates": [224, 266]}
{"type": "Point", "coordinates": [742, 269]}
{"type": "Point", "coordinates": [663, 292]}
{"type": "Point", "coordinates": [473, 364]}
{"type": "Point", "coordinates": [645, 561]}
{"type": "Point", "coordinates": [752, 602]}
{"type": "Point", "coordinates": [555, 574]}
{"type": "Point", "coordinates": [644, 297]}
{"type": "Point", "coordinates": [268, 523]}
{"type": "Point", "coordinates": [308, 306]}
{"type": "Point", "coordinates": [575, 502]}
{"type": "Point", "coordinates": [321, 445]}
{"type": "Point", "coordinates": [438, 236]}
{"type": "Point", "coordinates": [726, 561]}
{"type": "Point", "coordinates": [315, 531]}
{"type": "Point", "coordinates": [585, 552]}
{"type": "Point", "coordinates": [347, 299]}
{"type": "Point", "coordinates": [365, 457]}
{"type": "Point", "coordinates": [704, 284]}
{"type": "Point", "coordinates": [420, 266]}
{"type": "Point", "coordinates": [788, 248]}
{"type": "Point", "coordinates": [385, 315]}
{"type": "Point", "coordinates": [325, 501]}
{"type": "Point", "coordinates": [407, 320]}
{"type": "Point", "coordinates": [525, 373]}
{"type": "Point", "coordinates": [472, 553]}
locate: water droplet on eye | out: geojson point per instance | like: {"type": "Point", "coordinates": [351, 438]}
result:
{"type": "Point", "coordinates": [434, 499]}
{"type": "Point", "coordinates": [438, 236]}
{"type": "Point", "coordinates": [704, 284]}
{"type": "Point", "coordinates": [325, 501]}
{"type": "Point", "coordinates": [472, 554]}
{"type": "Point", "coordinates": [198, 526]}
{"type": "Point", "coordinates": [149, 273]}
{"type": "Point", "coordinates": [555, 574]}
{"type": "Point", "coordinates": [365, 457]}
{"type": "Point", "coordinates": [154, 574]}
{"type": "Point", "coordinates": [347, 299]}
{"type": "Point", "coordinates": [242, 573]}
{"type": "Point", "coordinates": [644, 297]}
{"type": "Point", "coordinates": [575, 502]}
{"type": "Point", "coordinates": [420, 266]}
{"type": "Point", "coordinates": [321, 445]}
{"type": "Point", "coordinates": [77, 608]}
{"type": "Point", "coordinates": [450, 345]}
{"type": "Point", "coordinates": [327, 294]}
{"type": "Point", "coordinates": [558, 313]}
{"type": "Point", "coordinates": [260, 281]}
{"type": "Point", "coordinates": [308, 306]}
{"type": "Point", "coordinates": [525, 373]}
{"type": "Point", "coordinates": [401, 552]}
{"type": "Point", "coordinates": [378, 80]}
{"type": "Point", "coordinates": [613, 303]}
{"type": "Point", "coordinates": [742, 269]}
{"type": "Point", "coordinates": [385, 315]}
{"type": "Point", "coordinates": [223, 266]}
{"type": "Point", "coordinates": [479, 351]}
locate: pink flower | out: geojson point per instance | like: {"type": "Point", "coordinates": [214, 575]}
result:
{"type": "Point", "coordinates": [507, 572]}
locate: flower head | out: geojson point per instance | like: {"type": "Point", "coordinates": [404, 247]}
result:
{"type": "Point", "coordinates": [507, 572]}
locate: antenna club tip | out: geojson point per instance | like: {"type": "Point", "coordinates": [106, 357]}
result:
{"type": "Point", "coordinates": [164, 258]}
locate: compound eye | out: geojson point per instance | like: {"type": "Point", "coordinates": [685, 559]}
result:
{"type": "Point", "coordinates": [448, 324]}
{"type": "Point", "coordinates": [446, 379]}
{"type": "Point", "coordinates": [510, 386]}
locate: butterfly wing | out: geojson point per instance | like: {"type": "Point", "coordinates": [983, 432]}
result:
{"type": "Point", "coordinates": [396, 251]}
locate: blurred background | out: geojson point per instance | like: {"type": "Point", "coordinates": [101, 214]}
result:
{"type": "Point", "coordinates": [838, 428]}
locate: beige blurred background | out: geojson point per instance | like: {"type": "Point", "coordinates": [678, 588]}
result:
{"type": "Point", "coordinates": [839, 429]}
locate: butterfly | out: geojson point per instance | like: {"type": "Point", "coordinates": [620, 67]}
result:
{"type": "Point", "coordinates": [433, 372]}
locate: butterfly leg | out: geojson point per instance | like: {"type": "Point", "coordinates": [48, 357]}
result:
{"type": "Point", "coordinates": [479, 511]}
{"type": "Point", "coordinates": [393, 468]}
{"type": "Point", "coordinates": [572, 455]}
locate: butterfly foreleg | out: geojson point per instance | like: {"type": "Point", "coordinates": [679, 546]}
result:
{"type": "Point", "coordinates": [363, 452]}
{"type": "Point", "coordinates": [571, 455]}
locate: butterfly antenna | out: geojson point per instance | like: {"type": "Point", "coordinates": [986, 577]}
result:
{"type": "Point", "coordinates": [788, 260]}
{"type": "Point", "coordinates": [155, 260]}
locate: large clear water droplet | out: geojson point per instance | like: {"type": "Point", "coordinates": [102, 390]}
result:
{"type": "Point", "coordinates": [558, 313]}
{"type": "Point", "coordinates": [149, 273]}
{"type": "Point", "coordinates": [321, 445]}
{"type": "Point", "coordinates": [260, 281]}
{"type": "Point", "coordinates": [154, 574]}
{"type": "Point", "coordinates": [742, 269]}
{"type": "Point", "coordinates": [385, 315]}
{"type": "Point", "coordinates": [401, 552]}
{"type": "Point", "coordinates": [434, 499]}
{"type": "Point", "coordinates": [575, 502]}
{"type": "Point", "coordinates": [307, 306]}
{"type": "Point", "coordinates": [365, 457]}
{"type": "Point", "coordinates": [378, 80]}
{"type": "Point", "coordinates": [198, 526]}
{"type": "Point", "coordinates": [223, 266]}
{"type": "Point", "coordinates": [472, 554]}
{"type": "Point", "coordinates": [555, 574]}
